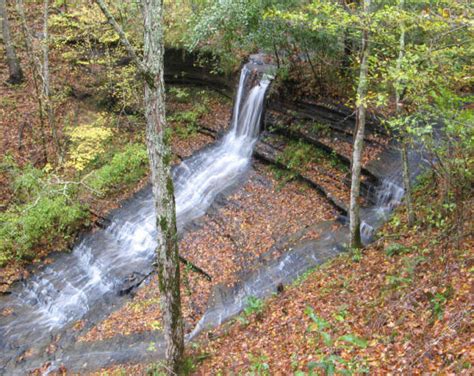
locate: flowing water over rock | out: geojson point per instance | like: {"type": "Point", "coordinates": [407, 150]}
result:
{"type": "Point", "coordinates": [95, 270]}
{"type": "Point", "coordinates": [227, 302]}
{"type": "Point", "coordinates": [92, 276]}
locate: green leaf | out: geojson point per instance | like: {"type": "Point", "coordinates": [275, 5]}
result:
{"type": "Point", "coordinates": [354, 340]}
{"type": "Point", "coordinates": [326, 338]}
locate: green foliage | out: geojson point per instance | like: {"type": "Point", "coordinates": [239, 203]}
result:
{"type": "Point", "coordinates": [187, 122]}
{"type": "Point", "coordinates": [125, 168]}
{"type": "Point", "coordinates": [395, 249]}
{"type": "Point", "coordinates": [297, 155]}
{"type": "Point", "coordinates": [331, 363]}
{"type": "Point", "coordinates": [353, 340]}
{"type": "Point", "coordinates": [357, 255]}
{"type": "Point", "coordinates": [228, 24]}
{"type": "Point", "coordinates": [180, 94]}
{"type": "Point", "coordinates": [253, 305]}
{"type": "Point", "coordinates": [259, 365]}
{"type": "Point", "coordinates": [438, 301]}
{"type": "Point", "coordinates": [398, 282]}
{"type": "Point", "coordinates": [44, 212]}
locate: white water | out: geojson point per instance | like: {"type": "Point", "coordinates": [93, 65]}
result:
{"type": "Point", "coordinates": [388, 196]}
{"type": "Point", "coordinates": [66, 290]}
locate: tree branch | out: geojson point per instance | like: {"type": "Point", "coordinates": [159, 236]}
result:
{"type": "Point", "coordinates": [123, 39]}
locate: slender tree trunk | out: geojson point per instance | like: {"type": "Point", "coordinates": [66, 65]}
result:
{"type": "Point", "coordinates": [160, 157]}
{"type": "Point", "coordinates": [355, 237]}
{"type": "Point", "coordinates": [41, 70]}
{"type": "Point", "coordinates": [404, 141]}
{"type": "Point", "coordinates": [159, 153]}
{"type": "Point", "coordinates": [14, 68]}
{"type": "Point", "coordinates": [36, 73]}
{"type": "Point", "coordinates": [46, 81]}
{"type": "Point", "coordinates": [275, 51]}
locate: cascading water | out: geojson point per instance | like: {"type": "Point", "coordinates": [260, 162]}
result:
{"type": "Point", "coordinates": [66, 290]}
{"type": "Point", "coordinates": [387, 197]}
{"type": "Point", "coordinates": [201, 178]}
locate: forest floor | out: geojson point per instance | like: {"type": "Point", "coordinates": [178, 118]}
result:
{"type": "Point", "coordinates": [401, 306]}
{"type": "Point", "coordinates": [228, 241]}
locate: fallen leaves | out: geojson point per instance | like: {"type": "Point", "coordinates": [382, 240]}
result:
{"type": "Point", "coordinates": [399, 335]}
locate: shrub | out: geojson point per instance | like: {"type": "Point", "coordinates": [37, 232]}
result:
{"type": "Point", "coordinates": [50, 218]}
{"type": "Point", "coordinates": [125, 168]}
{"type": "Point", "coordinates": [181, 95]}
{"type": "Point", "coordinates": [87, 143]}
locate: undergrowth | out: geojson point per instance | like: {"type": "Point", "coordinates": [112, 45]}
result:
{"type": "Point", "coordinates": [45, 211]}
{"type": "Point", "coordinates": [125, 168]}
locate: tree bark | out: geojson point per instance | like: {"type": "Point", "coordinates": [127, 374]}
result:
{"type": "Point", "coordinates": [354, 208]}
{"type": "Point", "coordinates": [14, 68]}
{"type": "Point", "coordinates": [41, 69]}
{"type": "Point", "coordinates": [46, 81]}
{"type": "Point", "coordinates": [159, 153]}
{"type": "Point", "coordinates": [404, 141]}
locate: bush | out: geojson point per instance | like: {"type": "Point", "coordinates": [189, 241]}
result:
{"type": "Point", "coordinates": [87, 143]}
{"type": "Point", "coordinates": [253, 305]}
{"type": "Point", "coordinates": [181, 95]}
{"type": "Point", "coordinates": [48, 219]}
{"type": "Point", "coordinates": [125, 168]}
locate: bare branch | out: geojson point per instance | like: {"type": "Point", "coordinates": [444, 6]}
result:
{"type": "Point", "coordinates": [123, 38]}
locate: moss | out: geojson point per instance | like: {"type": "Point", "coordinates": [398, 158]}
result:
{"type": "Point", "coordinates": [163, 223]}
{"type": "Point", "coordinates": [170, 186]}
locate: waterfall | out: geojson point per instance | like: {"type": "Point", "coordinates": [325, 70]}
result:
{"type": "Point", "coordinates": [70, 287]}
{"type": "Point", "coordinates": [387, 197]}
{"type": "Point", "coordinates": [201, 178]}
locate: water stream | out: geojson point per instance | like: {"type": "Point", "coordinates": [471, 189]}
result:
{"type": "Point", "coordinates": [93, 272]}
{"type": "Point", "coordinates": [80, 283]}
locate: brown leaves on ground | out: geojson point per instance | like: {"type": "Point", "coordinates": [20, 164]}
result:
{"type": "Point", "coordinates": [229, 241]}
{"type": "Point", "coordinates": [413, 309]}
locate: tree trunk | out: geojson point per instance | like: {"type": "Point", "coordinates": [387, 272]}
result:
{"type": "Point", "coordinates": [36, 73]}
{"type": "Point", "coordinates": [354, 208]}
{"type": "Point", "coordinates": [159, 153]}
{"type": "Point", "coordinates": [41, 70]}
{"type": "Point", "coordinates": [406, 183]}
{"type": "Point", "coordinates": [404, 141]}
{"type": "Point", "coordinates": [14, 68]}
{"type": "Point", "coordinates": [46, 81]}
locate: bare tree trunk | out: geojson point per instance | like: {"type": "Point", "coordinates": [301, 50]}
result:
{"type": "Point", "coordinates": [14, 68]}
{"type": "Point", "coordinates": [404, 141]}
{"type": "Point", "coordinates": [36, 73]}
{"type": "Point", "coordinates": [160, 157]}
{"type": "Point", "coordinates": [159, 153]}
{"type": "Point", "coordinates": [354, 208]}
{"type": "Point", "coordinates": [46, 81]}
{"type": "Point", "coordinates": [41, 70]}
